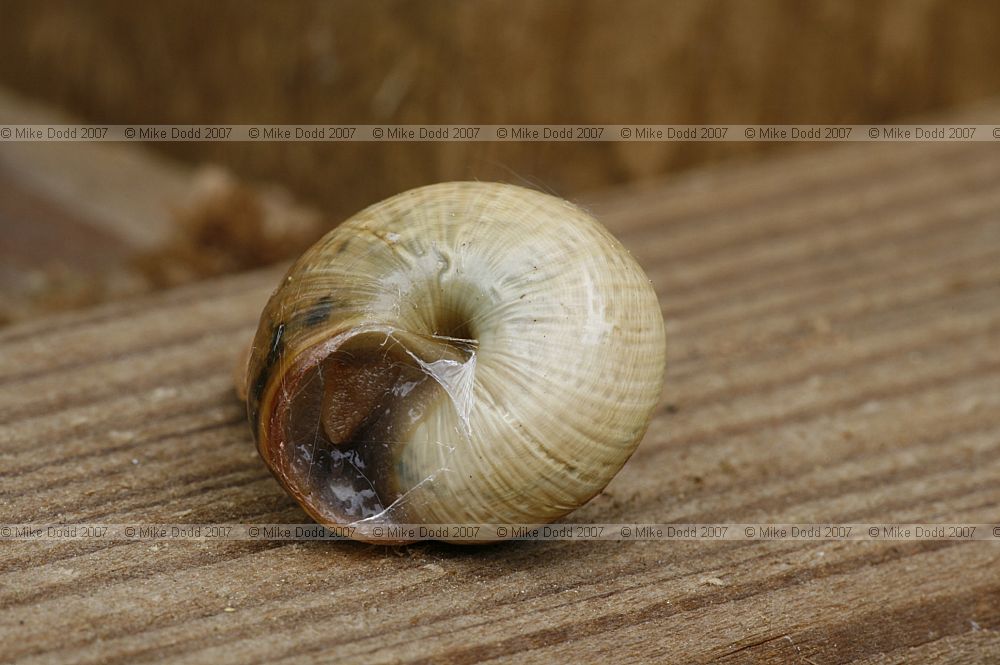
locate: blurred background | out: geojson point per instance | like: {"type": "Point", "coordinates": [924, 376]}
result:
{"type": "Point", "coordinates": [85, 223]}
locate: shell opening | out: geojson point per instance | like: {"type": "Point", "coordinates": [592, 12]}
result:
{"type": "Point", "coordinates": [347, 410]}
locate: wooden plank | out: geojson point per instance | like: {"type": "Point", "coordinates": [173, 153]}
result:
{"type": "Point", "coordinates": [83, 223]}
{"type": "Point", "coordinates": [119, 190]}
{"type": "Point", "coordinates": [833, 320]}
{"type": "Point", "coordinates": [74, 216]}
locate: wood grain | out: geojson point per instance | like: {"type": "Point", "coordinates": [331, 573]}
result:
{"type": "Point", "coordinates": [834, 355]}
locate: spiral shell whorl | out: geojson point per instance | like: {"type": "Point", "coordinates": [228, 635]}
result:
{"type": "Point", "coordinates": [528, 422]}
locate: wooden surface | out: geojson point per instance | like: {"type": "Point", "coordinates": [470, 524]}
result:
{"type": "Point", "coordinates": [88, 222]}
{"type": "Point", "coordinates": [74, 215]}
{"type": "Point", "coordinates": [834, 355]}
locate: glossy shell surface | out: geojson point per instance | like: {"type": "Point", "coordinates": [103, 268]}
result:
{"type": "Point", "coordinates": [458, 353]}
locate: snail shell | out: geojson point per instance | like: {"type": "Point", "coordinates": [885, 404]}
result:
{"type": "Point", "coordinates": [459, 353]}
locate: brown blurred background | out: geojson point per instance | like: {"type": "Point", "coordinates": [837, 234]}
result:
{"type": "Point", "coordinates": [721, 61]}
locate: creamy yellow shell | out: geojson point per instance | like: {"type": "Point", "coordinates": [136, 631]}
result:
{"type": "Point", "coordinates": [459, 353]}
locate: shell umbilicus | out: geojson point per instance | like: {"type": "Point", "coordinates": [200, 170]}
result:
{"type": "Point", "coordinates": [459, 353]}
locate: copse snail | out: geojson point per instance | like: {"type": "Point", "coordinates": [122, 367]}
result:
{"type": "Point", "coordinates": [462, 353]}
